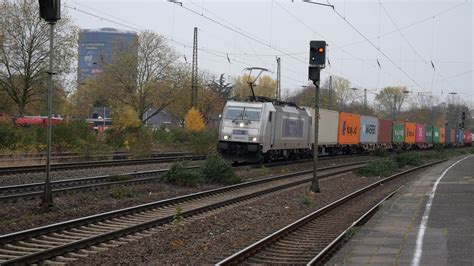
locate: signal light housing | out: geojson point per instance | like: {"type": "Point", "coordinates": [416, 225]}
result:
{"type": "Point", "coordinates": [317, 53]}
{"type": "Point", "coordinates": [50, 10]}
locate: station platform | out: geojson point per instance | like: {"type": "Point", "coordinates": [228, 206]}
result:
{"type": "Point", "coordinates": [428, 222]}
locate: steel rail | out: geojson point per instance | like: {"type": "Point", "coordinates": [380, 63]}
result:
{"type": "Point", "coordinates": [169, 203]}
{"type": "Point", "coordinates": [34, 190]}
{"type": "Point", "coordinates": [95, 164]}
{"type": "Point", "coordinates": [326, 252]}
{"type": "Point", "coordinates": [247, 252]}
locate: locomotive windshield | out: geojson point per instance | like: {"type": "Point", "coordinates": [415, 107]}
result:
{"type": "Point", "coordinates": [235, 113]}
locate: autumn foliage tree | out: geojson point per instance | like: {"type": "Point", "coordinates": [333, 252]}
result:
{"type": "Point", "coordinates": [193, 121]}
{"type": "Point", "coordinates": [265, 86]}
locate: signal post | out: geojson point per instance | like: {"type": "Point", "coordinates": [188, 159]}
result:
{"type": "Point", "coordinates": [317, 61]}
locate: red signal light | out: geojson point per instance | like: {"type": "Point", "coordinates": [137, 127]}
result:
{"type": "Point", "coordinates": [321, 49]}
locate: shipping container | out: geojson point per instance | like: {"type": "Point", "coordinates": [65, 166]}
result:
{"type": "Point", "coordinates": [410, 133]}
{"type": "Point", "coordinates": [447, 134]}
{"type": "Point", "coordinates": [460, 137]}
{"type": "Point", "coordinates": [369, 129]}
{"type": "Point", "coordinates": [436, 135]}
{"type": "Point", "coordinates": [349, 129]}
{"type": "Point", "coordinates": [467, 137]}
{"type": "Point", "coordinates": [328, 126]}
{"type": "Point", "coordinates": [428, 134]}
{"type": "Point", "coordinates": [442, 135]}
{"type": "Point", "coordinates": [385, 131]}
{"type": "Point", "coordinates": [420, 133]}
{"type": "Point", "coordinates": [452, 136]}
{"type": "Point", "coordinates": [398, 132]}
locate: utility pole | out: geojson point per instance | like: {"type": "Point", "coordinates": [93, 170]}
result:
{"type": "Point", "coordinates": [394, 107]}
{"type": "Point", "coordinates": [278, 79]}
{"type": "Point", "coordinates": [330, 92]}
{"type": "Point", "coordinates": [194, 71]}
{"type": "Point", "coordinates": [365, 98]}
{"type": "Point", "coordinates": [50, 11]}
{"type": "Point", "coordinates": [317, 61]}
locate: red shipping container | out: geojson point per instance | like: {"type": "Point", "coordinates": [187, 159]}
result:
{"type": "Point", "coordinates": [453, 136]}
{"type": "Point", "coordinates": [467, 136]}
{"type": "Point", "coordinates": [385, 131]}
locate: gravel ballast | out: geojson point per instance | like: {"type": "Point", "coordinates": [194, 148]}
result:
{"type": "Point", "coordinates": [21, 215]}
{"type": "Point", "coordinates": [213, 236]}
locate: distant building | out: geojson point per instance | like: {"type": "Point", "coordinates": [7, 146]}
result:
{"type": "Point", "coordinates": [98, 46]}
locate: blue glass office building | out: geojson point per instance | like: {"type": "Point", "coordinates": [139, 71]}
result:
{"type": "Point", "coordinates": [97, 47]}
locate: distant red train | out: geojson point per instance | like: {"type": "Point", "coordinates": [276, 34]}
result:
{"type": "Point", "coordinates": [37, 121]}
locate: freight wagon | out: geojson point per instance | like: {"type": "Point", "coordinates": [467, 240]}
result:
{"type": "Point", "coordinates": [271, 130]}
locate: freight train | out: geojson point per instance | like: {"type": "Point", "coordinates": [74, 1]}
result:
{"type": "Point", "coordinates": [271, 130]}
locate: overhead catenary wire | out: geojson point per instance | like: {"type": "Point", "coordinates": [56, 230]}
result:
{"type": "Point", "coordinates": [411, 24]}
{"type": "Point", "coordinates": [140, 28]}
{"type": "Point", "coordinates": [375, 46]}
{"type": "Point", "coordinates": [426, 62]}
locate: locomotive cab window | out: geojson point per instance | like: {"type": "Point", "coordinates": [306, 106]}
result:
{"type": "Point", "coordinates": [252, 114]}
{"type": "Point", "coordinates": [234, 113]}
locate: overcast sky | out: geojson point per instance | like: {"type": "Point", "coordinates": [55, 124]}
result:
{"type": "Point", "coordinates": [431, 31]}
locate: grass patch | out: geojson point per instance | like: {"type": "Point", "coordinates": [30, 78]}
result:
{"type": "Point", "coordinates": [408, 159]}
{"type": "Point", "coordinates": [383, 167]}
{"type": "Point", "coordinates": [124, 192]}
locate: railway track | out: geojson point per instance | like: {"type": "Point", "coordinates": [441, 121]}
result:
{"type": "Point", "coordinates": [32, 191]}
{"type": "Point", "coordinates": [63, 156]}
{"type": "Point", "coordinates": [95, 164]}
{"type": "Point", "coordinates": [313, 238]}
{"type": "Point", "coordinates": [66, 241]}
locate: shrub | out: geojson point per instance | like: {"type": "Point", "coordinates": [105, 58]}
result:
{"type": "Point", "coordinates": [203, 142]}
{"type": "Point", "coordinates": [180, 174]}
{"type": "Point", "coordinates": [379, 168]}
{"type": "Point", "coordinates": [216, 169]}
{"type": "Point", "coordinates": [8, 136]}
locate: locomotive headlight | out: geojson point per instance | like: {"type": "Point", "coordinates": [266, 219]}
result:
{"type": "Point", "coordinates": [254, 139]}
{"type": "Point", "coordinates": [226, 137]}
{"type": "Point", "coordinates": [241, 124]}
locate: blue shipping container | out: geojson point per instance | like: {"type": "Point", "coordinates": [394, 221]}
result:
{"type": "Point", "coordinates": [369, 129]}
{"type": "Point", "coordinates": [460, 137]}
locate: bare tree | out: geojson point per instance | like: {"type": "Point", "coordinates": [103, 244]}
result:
{"type": "Point", "coordinates": [24, 51]}
{"type": "Point", "coordinates": [144, 76]}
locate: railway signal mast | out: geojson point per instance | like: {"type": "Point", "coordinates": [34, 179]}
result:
{"type": "Point", "coordinates": [317, 61]}
{"type": "Point", "coordinates": [50, 11]}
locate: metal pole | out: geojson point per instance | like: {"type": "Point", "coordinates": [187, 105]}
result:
{"type": "Point", "coordinates": [47, 195]}
{"type": "Point", "coordinates": [315, 182]}
{"type": "Point", "coordinates": [278, 79]}
{"type": "Point", "coordinates": [330, 92]}
{"type": "Point", "coordinates": [365, 98]}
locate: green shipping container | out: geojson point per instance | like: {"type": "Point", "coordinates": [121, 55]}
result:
{"type": "Point", "coordinates": [436, 134]}
{"type": "Point", "coordinates": [429, 134]}
{"type": "Point", "coordinates": [398, 132]}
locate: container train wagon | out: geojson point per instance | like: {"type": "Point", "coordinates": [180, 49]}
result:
{"type": "Point", "coordinates": [256, 131]}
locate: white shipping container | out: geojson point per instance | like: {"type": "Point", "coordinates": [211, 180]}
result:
{"type": "Point", "coordinates": [328, 126]}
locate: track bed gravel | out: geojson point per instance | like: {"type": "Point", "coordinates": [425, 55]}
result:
{"type": "Point", "coordinates": [211, 237]}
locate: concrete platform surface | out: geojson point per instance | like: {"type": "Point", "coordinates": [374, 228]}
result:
{"type": "Point", "coordinates": [429, 222]}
